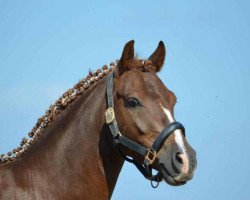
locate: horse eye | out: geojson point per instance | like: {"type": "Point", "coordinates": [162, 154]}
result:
{"type": "Point", "coordinates": [133, 103]}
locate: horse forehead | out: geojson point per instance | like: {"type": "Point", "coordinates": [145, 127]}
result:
{"type": "Point", "coordinates": [156, 88]}
{"type": "Point", "coordinates": [144, 82]}
{"type": "Point", "coordinates": [153, 84]}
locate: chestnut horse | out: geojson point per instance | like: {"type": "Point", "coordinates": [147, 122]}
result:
{"type": "Point", "coordinates": [77, 149]}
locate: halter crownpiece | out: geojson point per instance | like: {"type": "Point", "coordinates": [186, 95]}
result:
{"type": "Point", "coordinates": [149, 155]}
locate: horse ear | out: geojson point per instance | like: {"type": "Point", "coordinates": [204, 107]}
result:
{"type": "Point", "coordinates": [158, 57]}
{"type": "Point", "coordinates": [127, 57]}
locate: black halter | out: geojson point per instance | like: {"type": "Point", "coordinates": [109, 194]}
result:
{"type": "Point", "coordinates": [148, 154]}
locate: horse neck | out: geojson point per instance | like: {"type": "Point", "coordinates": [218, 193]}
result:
{"type": "Point", "coordinates": [76, 150]}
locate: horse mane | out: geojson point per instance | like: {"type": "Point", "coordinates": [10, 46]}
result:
{"type": "Point", "coordinates": [54, 111]}
{"type": "Point", "coordinates": [61, 104]}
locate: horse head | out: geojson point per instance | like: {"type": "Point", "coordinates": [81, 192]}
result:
{"type": "Point", "coordinates": [143, 107]}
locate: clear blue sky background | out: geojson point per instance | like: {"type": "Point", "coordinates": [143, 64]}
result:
{"type": "Point", "coordinates": [47, 46]}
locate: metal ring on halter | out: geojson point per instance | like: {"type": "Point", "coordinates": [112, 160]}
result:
{"type": "Point", "coordinates": [157, 182]}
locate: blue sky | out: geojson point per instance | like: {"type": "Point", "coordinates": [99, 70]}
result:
{"type": "Point", "coordinates": [47, 46]}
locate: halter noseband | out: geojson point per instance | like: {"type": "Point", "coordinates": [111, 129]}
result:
{"type": "Point", "coordinates": [148, 154]}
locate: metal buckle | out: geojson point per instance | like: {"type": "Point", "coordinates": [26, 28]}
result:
{"type": "Point", "coordinates": [150, 157]}
{"type": "Point", "coordinates": [110, 115]}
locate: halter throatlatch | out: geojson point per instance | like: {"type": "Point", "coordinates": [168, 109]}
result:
{"type": "Point", "coordinates": [149, 155]}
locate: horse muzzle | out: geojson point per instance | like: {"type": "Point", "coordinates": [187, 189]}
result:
{"type": "Point", "coordinates": [177, 167]}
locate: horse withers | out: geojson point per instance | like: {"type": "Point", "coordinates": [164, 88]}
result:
{"type": "Point", "coordinates": [77, 149]}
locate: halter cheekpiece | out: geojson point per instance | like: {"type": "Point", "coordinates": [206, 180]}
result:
{"type": "Point", "coordinates": [149, 155]}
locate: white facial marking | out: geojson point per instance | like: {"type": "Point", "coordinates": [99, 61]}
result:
{"type": "Point", "coordinates": [177, 133]}
{"type": "Point", "coordinates": [179, 141]}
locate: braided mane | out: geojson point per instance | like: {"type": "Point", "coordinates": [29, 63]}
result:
{"type": "Point", "coordinates": [54, 110]}
{"type": "Point", "coordinates": [61, 104]}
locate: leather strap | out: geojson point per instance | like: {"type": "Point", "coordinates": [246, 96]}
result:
{"type": "Point", "coordinates": [110, 99]}
{"type": "Point", "coordinates": [132, 145]}
{"type": "Point", "coordinates": [167, 131]}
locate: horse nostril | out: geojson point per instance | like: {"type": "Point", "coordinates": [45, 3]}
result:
{"type": "Point", "coordinates": [178, 162]}
{"type": "Point", "coordinates": [178, 157]}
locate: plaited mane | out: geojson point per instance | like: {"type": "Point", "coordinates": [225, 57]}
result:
{"type": "Point", "coordinates": [54, 110]}
{"type": "Point", "coordinates": [61, 104]}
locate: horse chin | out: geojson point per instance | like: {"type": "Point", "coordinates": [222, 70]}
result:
{"type": "Point", "coordinates": [170, 179]}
